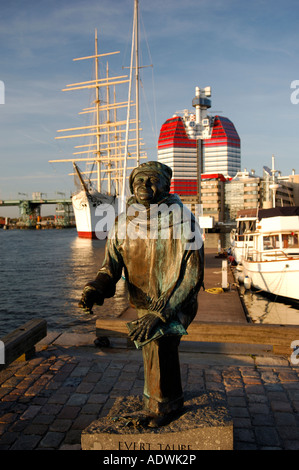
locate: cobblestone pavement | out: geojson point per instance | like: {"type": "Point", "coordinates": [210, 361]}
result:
{"type": "Point", "coordinates": [46, 402]}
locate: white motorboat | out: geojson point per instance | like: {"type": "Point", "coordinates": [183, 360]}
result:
{"type": "Point", "coordinates": [271, 253]}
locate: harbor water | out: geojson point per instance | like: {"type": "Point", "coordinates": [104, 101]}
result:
{"type": "Point", "coordinates": [43, 273]}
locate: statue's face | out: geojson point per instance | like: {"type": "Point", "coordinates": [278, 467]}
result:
{"type": "Point", "coordinates": [148, 187]}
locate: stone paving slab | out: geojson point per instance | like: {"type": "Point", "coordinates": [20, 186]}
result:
{"type": "Point", "coordinates": [46, 402]}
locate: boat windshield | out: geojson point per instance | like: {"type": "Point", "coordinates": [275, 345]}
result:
{"type": "Point", "coordinates": [271, 242]}
{"type": "Point", "coordinates": [245, 226]}
{"type": "Point", "coordinates": [288, 240]}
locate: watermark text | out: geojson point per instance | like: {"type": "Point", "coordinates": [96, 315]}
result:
{"type": "Point", "coordinates": [295, 94]}
{"type": "Point", "coordinates": [2, 353]}
{"type": "Point", "coordinates": [158, 221]}
{"type": "Point", "coordinates": [2, 92]}
{"type": "Point", "coordinates": [295, 353]}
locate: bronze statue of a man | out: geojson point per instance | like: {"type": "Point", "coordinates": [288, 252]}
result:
{"type": "Point", "coordinates": [161, 252]}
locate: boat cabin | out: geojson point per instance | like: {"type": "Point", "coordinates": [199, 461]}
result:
{"type": "Point", "coordinates": [275, 238]}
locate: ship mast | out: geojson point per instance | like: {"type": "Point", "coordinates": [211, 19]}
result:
{"type": "Point", "coordinates": [137, 76]}
{"type": "Point", "coordinates": [110, 155]}
{"type": "Point", "coordinates": [134, 53]}
{"type": "Point", "coordinates": [108, 136]}
{"type": "Point", "coordinates": [97, 103]}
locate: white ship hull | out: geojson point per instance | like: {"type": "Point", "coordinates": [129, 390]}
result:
{"type": "Point", "coordinates": [271, 262]}
{"type": "Point", "coordinates": [275, 277]}
{"type": "Point", "coordinates": [91, 221]}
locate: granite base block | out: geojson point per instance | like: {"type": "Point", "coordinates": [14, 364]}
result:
{"type": "Point", "coordinates": [204, 424]}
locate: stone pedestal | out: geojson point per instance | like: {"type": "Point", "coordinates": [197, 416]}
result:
{"type": "Point", "coordinates": [203, 424]}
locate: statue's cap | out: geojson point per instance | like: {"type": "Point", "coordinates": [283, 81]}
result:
{"type": "Point", "coordinates": [150, 167]}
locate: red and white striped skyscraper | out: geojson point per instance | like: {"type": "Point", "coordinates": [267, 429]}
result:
{"type": "Point", "coordinates": [178, 151]}
{"type": "Point", "coordinates": [222, 152]}
{"type": "Point", "coordinates": [198, 143]}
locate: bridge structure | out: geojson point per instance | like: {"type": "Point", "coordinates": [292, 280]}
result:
{"type": "Point", "coordinates": [30, 210]}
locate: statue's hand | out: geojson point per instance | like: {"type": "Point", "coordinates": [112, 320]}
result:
{"type": "Point", "coordinates": [144, 327]}
{"type": "Point", "coordinates": [90, 296]}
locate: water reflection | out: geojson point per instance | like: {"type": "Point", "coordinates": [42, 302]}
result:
{"type": "Point", "coordinates": [262, 309]}
{"type": "Point", "coordinates": [87, 257]}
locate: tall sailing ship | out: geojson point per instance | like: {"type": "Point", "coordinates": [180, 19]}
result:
{"type": "Point", "coordinates": [111, 143]}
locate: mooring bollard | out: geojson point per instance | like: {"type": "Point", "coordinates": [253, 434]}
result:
{"type": "Point", "coordinates": [224, 274]}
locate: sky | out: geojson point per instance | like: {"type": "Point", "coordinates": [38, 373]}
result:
{"type": "Point", "coordinates": [248, 52]}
